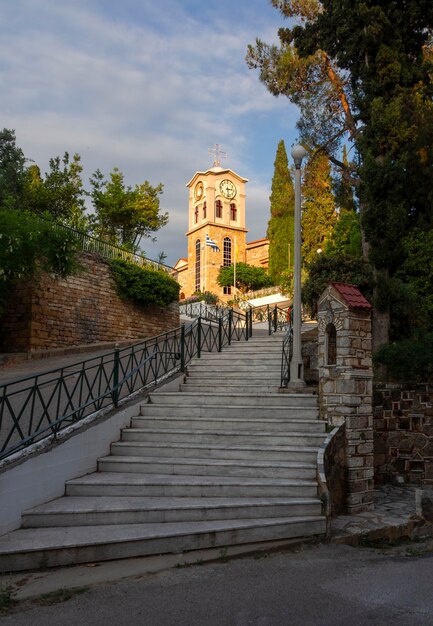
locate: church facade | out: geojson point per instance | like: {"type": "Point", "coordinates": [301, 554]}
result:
{"type": "Point", "coordinates": [217, 232]}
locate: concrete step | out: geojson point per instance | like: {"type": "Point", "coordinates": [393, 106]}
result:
{"type": "Point", "coordinates": [243, 399]}
{"type": "Point", "coordinates": [242, 367]}
{"type": "Point", "coordinates": [230, 412]}
{"type": "Point", "coordinates": [207, 466]}
{"type": "Point", "coordinates": [230, 423]}
{"type": "Point", "coordinates": [157, 485]}
{"type": "Point", "coordinates": [219, 387]}
{"type": "Point", "coordinates": [52, 547]}
{"type": "Point", "coordinates": [216, 451]}
{"type": "Point", "coordinates": [177, 435]}
{"type": "Point", "coordinates": [83, 511]}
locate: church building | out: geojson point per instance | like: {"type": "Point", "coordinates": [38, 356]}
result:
{"type": "Point", "coordinates": [216, 232]}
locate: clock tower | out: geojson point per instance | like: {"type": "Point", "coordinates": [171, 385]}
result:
{"type": "Point", "coordinates": [216, 230]}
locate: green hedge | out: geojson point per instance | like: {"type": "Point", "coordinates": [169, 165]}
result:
{"type": "Point", "coordinates": [144, 285]}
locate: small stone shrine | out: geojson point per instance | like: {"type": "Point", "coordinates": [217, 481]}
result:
{"type": "Point", "coordinates": [346, 383]}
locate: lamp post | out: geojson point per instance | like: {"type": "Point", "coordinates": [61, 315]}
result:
{"type": "Point", "coordinates": [296, 364]}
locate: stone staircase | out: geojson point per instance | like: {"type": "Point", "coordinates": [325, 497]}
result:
{"type": "Point", "coordinates": [226, 460]}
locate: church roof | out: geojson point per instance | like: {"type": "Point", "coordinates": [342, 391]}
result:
{"type": "Point", "coordinates": [216, 170]}
{"type": "Point", "coordinates": [352, 296]}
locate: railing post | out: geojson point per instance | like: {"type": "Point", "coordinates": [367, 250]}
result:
{"type": "Point", "coordinates": [199, 337]}
{"type": "Point", "coordinates": [275, 318]}
{"type": "Point", "coordinates": [269, 321]}
{"type": "Point", "coordinates": [220, 334]}
{"type": "Point", "coordinates": [230, 325]}
{"type": "Point", "coordinates": [182, 348]}
{"type": "Point", "coordinates": [251, 322]}
{"type": "Point", "coordinates": [246, 326]}
{"type": "Point", "coordinates": [116, 363]}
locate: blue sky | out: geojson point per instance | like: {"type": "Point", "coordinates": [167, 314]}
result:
{"type": "Point", "coordinates": [147, 87]}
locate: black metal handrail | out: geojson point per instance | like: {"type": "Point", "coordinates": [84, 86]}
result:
{"type": "Point", "coordinates": [204, 310]}
{"type": "Point", "coordinates": [35, 407]}
{"type": "Point", "coordinates": [286, 357]}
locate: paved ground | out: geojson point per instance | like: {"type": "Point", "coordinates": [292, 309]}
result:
{"type": "Point", "coordinates": [315, 585]}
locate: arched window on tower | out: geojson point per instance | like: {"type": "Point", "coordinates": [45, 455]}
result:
{"type": "Point", "coordinates": [218, 208]}
{"type": "Point", "coordinates": [197, 265]}
{"type": "Point", "coordinates": [204, 210]}
{"type": "Point", "coordinates": [233, 212]}
{"type": "Point", "coordinates": [331, 345]}
{"type": "Point", "coordinates": [227, 252]}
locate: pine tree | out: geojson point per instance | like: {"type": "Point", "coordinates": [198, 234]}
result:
{"type": "Point", "coordinates": [281, 223]}
{"type": "Point", "coordinates": [318, 215]}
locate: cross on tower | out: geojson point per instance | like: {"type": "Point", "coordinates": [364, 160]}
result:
{"type": "Point", "coordinates": [217, 154]}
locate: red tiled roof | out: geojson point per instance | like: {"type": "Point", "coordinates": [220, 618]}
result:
{"type": "Point", "coordinates": [352, 296]}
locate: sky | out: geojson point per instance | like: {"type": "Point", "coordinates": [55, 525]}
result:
{"type": "Point", "coordinates": [147, 87]}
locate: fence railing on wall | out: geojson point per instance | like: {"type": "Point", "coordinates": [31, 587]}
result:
{"type": "Point", "coordinates": [36, 407]}
{"type": "Point", "coordinates": [88, 243]}
{"type": "Point", "coordinates": [286, 357]}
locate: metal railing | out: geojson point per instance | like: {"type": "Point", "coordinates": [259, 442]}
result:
{"type": "Point", "coordinates": [201, 309]}
{"type": "Point", "coordinates": [35, 407]}
{"type": "Point", "coordinates": [88, 243]}
{"type": "Point", "coordinates": [286, 357]}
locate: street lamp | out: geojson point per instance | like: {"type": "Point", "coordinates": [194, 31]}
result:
{"type": "Point", "coordinates": [296, 364]}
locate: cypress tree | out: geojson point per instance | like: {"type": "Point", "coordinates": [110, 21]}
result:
{"type": "Point", "coordinates": [281, 223]}
{"type": "Point", "coordinates": [319, 215]}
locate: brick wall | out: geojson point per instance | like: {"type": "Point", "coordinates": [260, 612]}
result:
{"type": "Point", "coordinates": [81, 309]}
{"type": "Point", "coordinates": [403, 432]}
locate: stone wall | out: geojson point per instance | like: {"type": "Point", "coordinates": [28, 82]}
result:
{"type": "Point", "coordinates": [403, 433]}
{"type": "Point", "coordinates": [81, 309]}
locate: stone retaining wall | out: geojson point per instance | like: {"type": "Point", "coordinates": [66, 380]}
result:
{"type": "Point", "coordinates": [81, 309]}
{"type": "Point", "coordinates": [403, 433]}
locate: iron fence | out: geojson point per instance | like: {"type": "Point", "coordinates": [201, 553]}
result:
{"type": "Point", "coordinates": [35, 407]}
{"type": "Point", "coordinates": [286, 357]}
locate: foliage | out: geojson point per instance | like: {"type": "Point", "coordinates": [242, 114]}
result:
{"type": "Point", "coordinates": [124, 215]}
{"type": "Point", "coordinates": [346, 236]}
{"type": "Point", "coordinates": [281, 223]}
{"type": "Point", "coordinates": [144, 285]}
{"type": "Point", "coordinates": [408, 360]}
{"type": "Point", "coordinates": [417, 268]}
{"type": "Point", "coordinates": [286, 282]}
{"type": "Point", "coordinates": [60, 192]}
{"type": "Point", "coordinates": [325, 269]}
{"type": "Point", "coordinates": [29, 245]}
{"type": "Point", "coordinates": [318, 214]}
{"type": "Point", "coordinates": [363, 73]}
{"type": "Point", "coordinates": [248, 277]}
{"type": "Point", "coordinates": [12, 171]}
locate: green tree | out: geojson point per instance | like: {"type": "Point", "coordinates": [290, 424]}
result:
{"type": "Point", "coordinates": [248, 277]}
{"type": "Point", "coordinates": [12, 171]}
{"type": "Point", "coordinates": [60, 193]}
{"type": "Point", "coordinates": [318, 215]}
{"type": "Point", "coordinates": [281, 223]}
{"type": "Point", "coordinates": [123, 214]}
{"type": "Point", "coordinates": [363, 72]}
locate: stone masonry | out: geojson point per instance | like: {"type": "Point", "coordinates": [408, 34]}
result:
{"type": "Point", "coordinates": [81, 309]}
{"type": "Point", "coordinates": [346, 384]}
{"type": "Point", "coordinates": [403, 433]}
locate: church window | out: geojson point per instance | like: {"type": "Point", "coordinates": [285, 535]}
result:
{"type": "Point", "coordinates": [218, 208]}
{"type": "Point", "coordinates": [204, 210]}
{"type": "Point", "coordinates": [196, 215]}
{"type": "Point", "coordinates": [331, 345]}
{"type": "Point", "coordinates": [227, 252]}
{"type": "Point", "coordinates": [233, 212]}
{"type": "Point", "coordinates": [197, 265]}
{"type": "Point", "coordinates": [227, 291]}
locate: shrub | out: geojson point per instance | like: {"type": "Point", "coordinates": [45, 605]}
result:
{"type": "Point", "coordinates": [144, 285]}
{"type": "Point", "coordinates": [410, 360]}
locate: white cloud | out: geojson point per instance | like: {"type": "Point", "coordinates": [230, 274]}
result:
{"type": "Point", "coordinates": [147, 90]}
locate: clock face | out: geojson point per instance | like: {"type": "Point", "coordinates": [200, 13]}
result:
{"type": "Point", "coordinates": [228, 189]}
{"type": "Point", "coordinates": [198, 191]}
